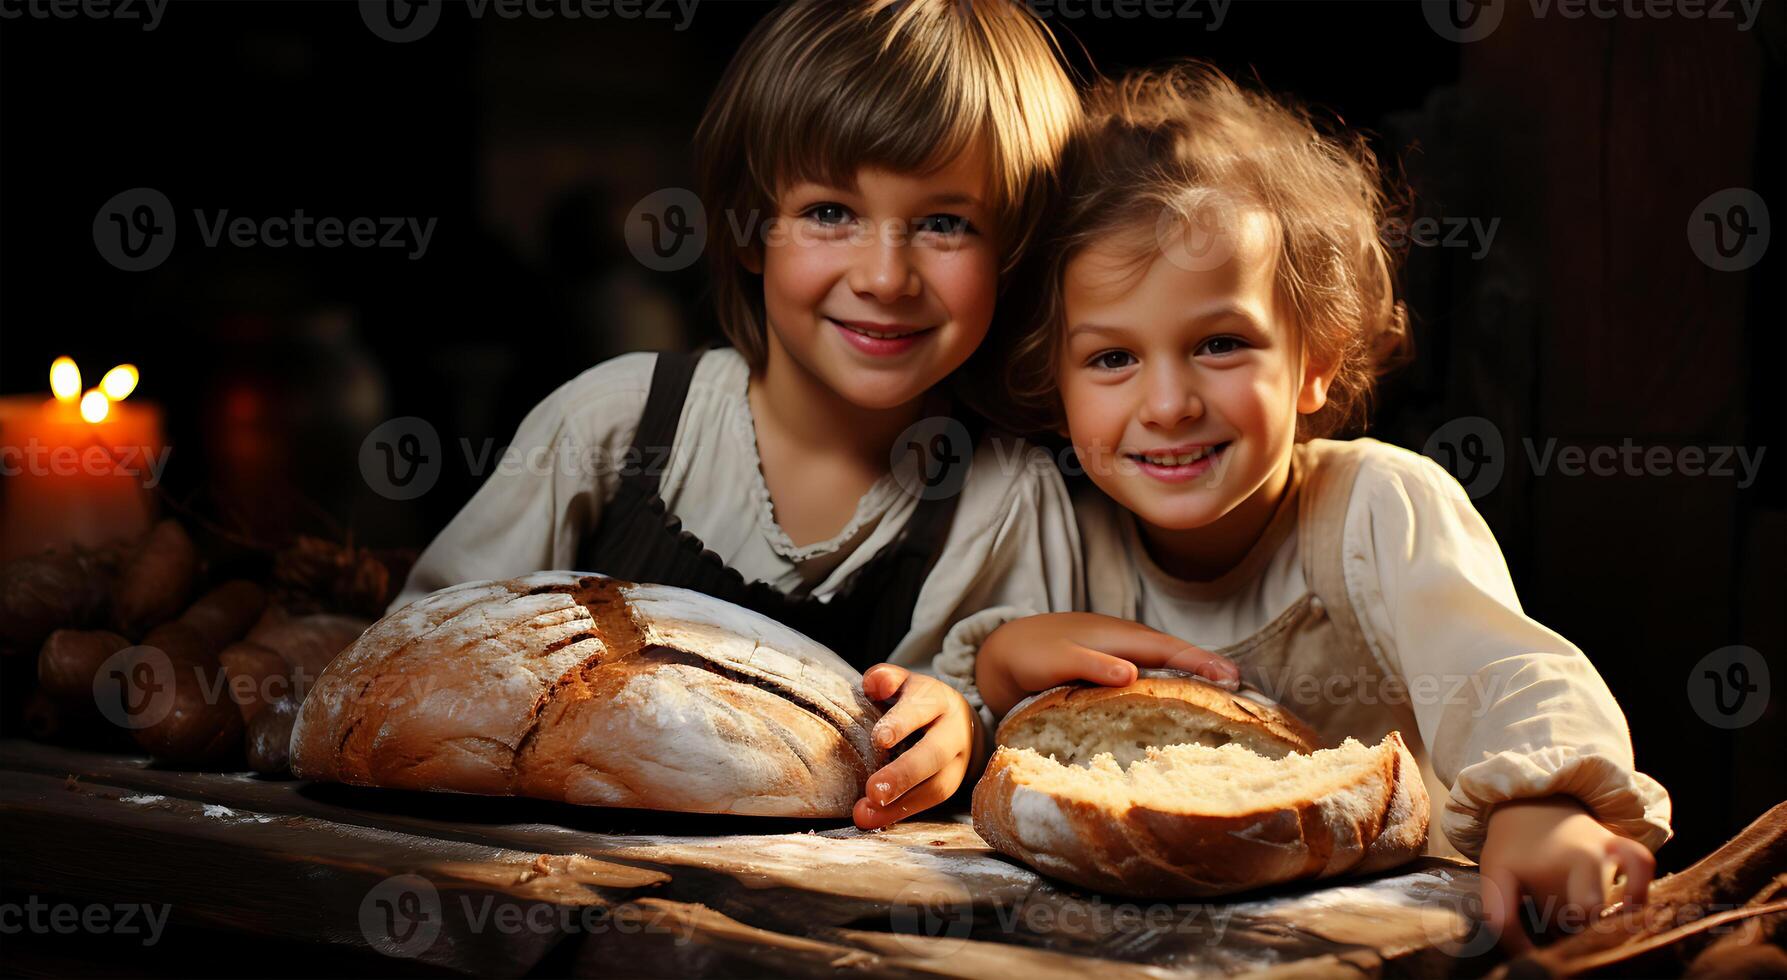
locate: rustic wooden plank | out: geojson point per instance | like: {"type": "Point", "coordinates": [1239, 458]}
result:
{"type": "Point", "coordinates": [895, 896]}
{"type": "Point", "coordinates": [289, 877]}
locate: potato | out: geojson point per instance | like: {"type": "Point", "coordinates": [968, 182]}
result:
{"type": "Point", "coordinates": [43, 593]}
{"type": "Point", "coordinates": [70, 658]}
{"type": "Point", "coordinates": [157, 582]}
{"type": "Point", "coordinates": [269, 740]}
{"type": "Point", "coordinates": [189, 718]}
{"type": "Point", "coordinates": [178, 700]}
{"type": "Point", "coordinates": [258, 677]}
{"type": "Point", "coordinates": [226, 613]}
{"type": "Point", "coordinates": [308, 643]}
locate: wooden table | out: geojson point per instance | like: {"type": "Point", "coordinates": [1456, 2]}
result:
{"type": "Point", "coordinates": [441, 883]}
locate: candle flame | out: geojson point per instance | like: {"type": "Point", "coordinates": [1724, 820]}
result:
{"type": "Point", "coordinates": [65, 379]}
{"type": "Point", "coordinates": [119, 382]}
{"type": "Point", "coordinates": [95, 406]}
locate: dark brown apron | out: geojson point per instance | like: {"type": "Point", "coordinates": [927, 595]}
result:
{"type": "Point", "coordinates": [639, 540]}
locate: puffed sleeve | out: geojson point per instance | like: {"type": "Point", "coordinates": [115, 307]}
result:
{"type": "Point", "coordinates": [1508, 709]}
{"type": "Point", "coordinates": [547, 488]}
{"type": "Point", "coordinates": [1013, 551]}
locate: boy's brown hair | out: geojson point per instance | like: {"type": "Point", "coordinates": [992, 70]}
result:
{"type": "Point", "coordinates": [1164, 148]}
{"type": "Point", "coordinates": [822, 88]}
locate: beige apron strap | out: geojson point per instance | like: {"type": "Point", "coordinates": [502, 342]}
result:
{"type": "Point", "coordinates": [1330, 469]}
{"type": "Point", "coordinates": [1106, 534]}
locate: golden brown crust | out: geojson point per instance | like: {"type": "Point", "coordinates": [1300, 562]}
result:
{"type": "Point", "coordinates": [575, 687]}
{"type": "Point", "coordinates": [1377, 820]}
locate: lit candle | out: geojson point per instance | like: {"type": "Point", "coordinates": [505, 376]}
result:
{"type": "Point", "coordinates": [78, 468]}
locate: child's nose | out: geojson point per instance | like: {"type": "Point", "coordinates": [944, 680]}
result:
{"type": "Point", "coordinates": [1170, 398]}
{"type": "Point", "coordinates": [883, 269]}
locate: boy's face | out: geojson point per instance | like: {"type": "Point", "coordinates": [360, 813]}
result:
{"type": "Point", "coordinates": [1182, 385]}
{"type": "Point", "coordinates": [881, 289]}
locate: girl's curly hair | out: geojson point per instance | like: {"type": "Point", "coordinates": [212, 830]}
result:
{"type": "Point", "coordinates": [1161, 147]}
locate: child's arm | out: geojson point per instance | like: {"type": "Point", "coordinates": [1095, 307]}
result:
{"type": "Point", "coordinates": [545, 490]}
{"type": "Point", "coordinates": [1013, 551]}
{"type": "Point", "coordinates": [1554, 847]}
{"type": "Point", "coordinates": [928, 773]}
{"type": "Point", "coordinates": [1510, 711]}
{"type": "Point", "coordinates": [1040, 652]}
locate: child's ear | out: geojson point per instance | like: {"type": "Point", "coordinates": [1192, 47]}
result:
{"type": "Point", "coordinates": [1317, 377]}
{"type": "Point", "coordinates": [751, 257]}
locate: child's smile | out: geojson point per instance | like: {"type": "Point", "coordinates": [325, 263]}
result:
{"type": "Point", "coordinates": [1182, 386]}
{"type": "Point", "coordinates": [881, 288]}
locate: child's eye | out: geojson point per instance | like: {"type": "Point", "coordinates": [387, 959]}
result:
{"type": "Point", "coordinates": [944, 224]}
{"type": "Point", "coordinates": [827, 214]}
{"type": "Point", "coordinates": [1111, 360]}
{"type": "Point", "coordinates": [1218, 346]}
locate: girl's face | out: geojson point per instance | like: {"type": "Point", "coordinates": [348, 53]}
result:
{"type": "Point", "coordinates": [881, 289]}
{"type": "Point", "coordinates": [1182, 386]}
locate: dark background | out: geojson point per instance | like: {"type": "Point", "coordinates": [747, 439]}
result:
{"type": "Point", "coordinates": [1588, 320]}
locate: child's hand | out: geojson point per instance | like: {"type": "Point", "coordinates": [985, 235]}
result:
{"type": "Point", "coordinates": [1553, 850]}
{"type": "Point", "coordinates": [929, 772]}
{"type": "Point", "coordinates": [1038, 652]}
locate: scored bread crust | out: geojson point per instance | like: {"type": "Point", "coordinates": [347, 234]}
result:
{"type": "Point", "coordinates": [1371, 822]}
{"type": "Point", "coordinates": [576, 687]}
{"type": "Point", "coordinates": [1183, 701]}
{"type": "Point", "coordinates": [1376, 818]}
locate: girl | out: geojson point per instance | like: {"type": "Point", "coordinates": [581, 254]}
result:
{"type": "Point", "coordinates": [869, 171]}
{"type": "Point", "coordinates": [1217, 300]}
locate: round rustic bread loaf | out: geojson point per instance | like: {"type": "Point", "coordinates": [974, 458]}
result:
{"type": "Point", "coordinates": [572, 686]}
{"type": "Point", "coordinates": [1175, 788]}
